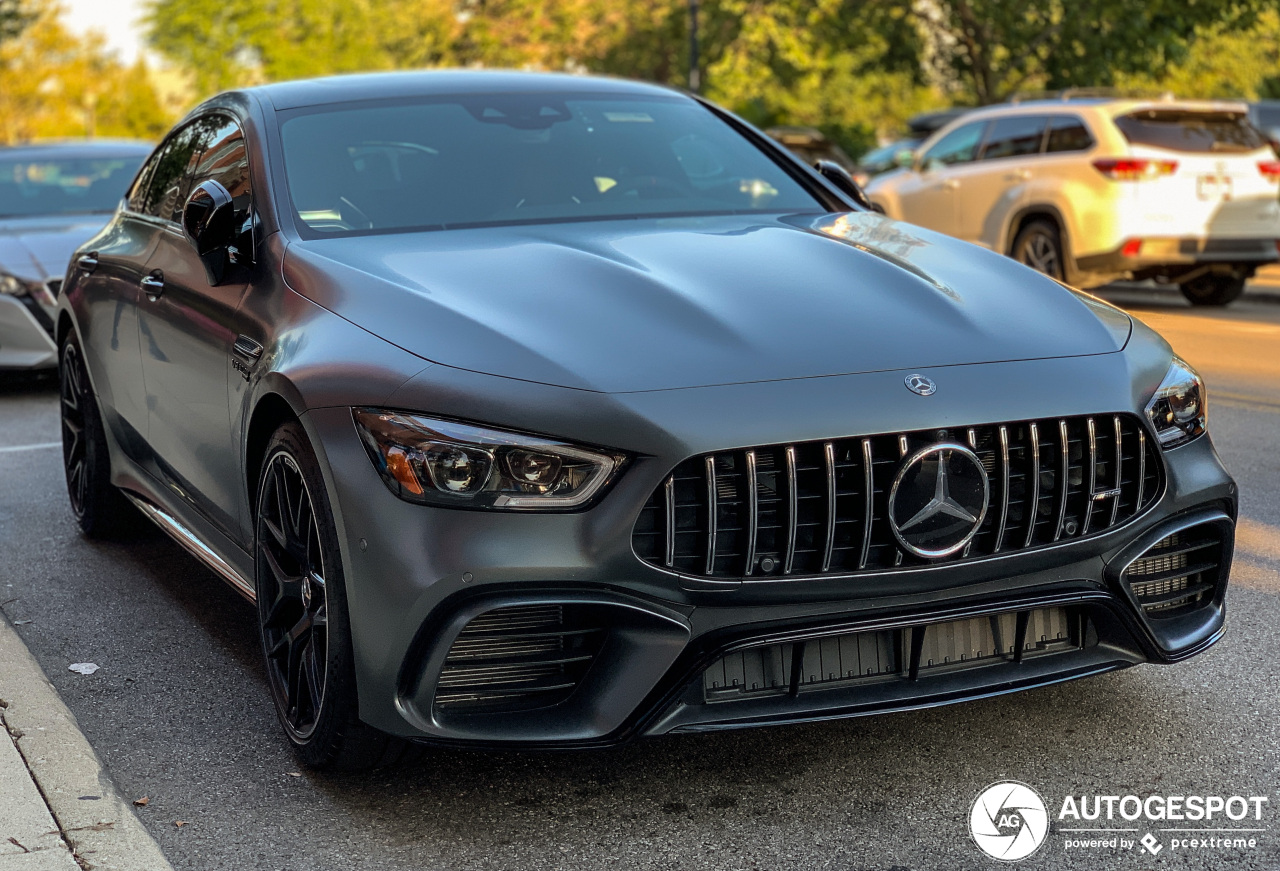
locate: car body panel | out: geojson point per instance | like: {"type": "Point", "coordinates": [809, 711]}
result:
{"type": "Point", "coordinates": [661, 339]}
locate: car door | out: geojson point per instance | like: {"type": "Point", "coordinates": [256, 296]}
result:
{"type": "Point", "coordinates": [187, 329]}
{"type": "Point", "coordinates": [108, 275]}
{"type": "Point", "coordinates": [989, 189]}
{"type": "Point", "coordinates": [927, 195]}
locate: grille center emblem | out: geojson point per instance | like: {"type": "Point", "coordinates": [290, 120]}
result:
{"type": "Point", "coordinates": [921, 385]}
{"type": "Point", "coordinates": [938, 500]}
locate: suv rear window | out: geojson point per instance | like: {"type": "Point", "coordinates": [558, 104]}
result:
{"type": "Point", "coordinates": [1197, 132]}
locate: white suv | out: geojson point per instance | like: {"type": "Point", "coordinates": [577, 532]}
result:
{"type": "Point", "coordinates": [1094, 190]}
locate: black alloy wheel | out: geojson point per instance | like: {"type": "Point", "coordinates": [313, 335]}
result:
{"type": "Point", "coordinates": [1213, 289]}
{"type": "Point", "coordinates": [99, 508]}
{"type": "Point", "coordinates": [293, 602]}
{"type": "Point", "coordinates": [1039, 245]}
{"type": "Point", "coordinates": [302, 614]}
{"type": "Point", "coordinates": [74, 453]}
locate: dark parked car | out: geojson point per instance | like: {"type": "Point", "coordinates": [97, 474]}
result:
{"type": "Point", "coordinates": [52, 198]}
{"type": "Point", "coordinates": [541, 410]}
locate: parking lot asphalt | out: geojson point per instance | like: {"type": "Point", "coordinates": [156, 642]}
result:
{"type": "Point", "coordinates": [179, 710]}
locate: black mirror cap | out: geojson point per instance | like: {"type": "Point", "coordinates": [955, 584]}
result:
{"type": "Point", "coordinates": [843, 182]}
{"type": "Point", "coordinates": [209, 223]}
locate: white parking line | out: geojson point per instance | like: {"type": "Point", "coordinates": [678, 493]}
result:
{"type": "Point", "coordinates": [40, 447]}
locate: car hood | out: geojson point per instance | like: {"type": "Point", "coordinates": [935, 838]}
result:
{"type": "Point", "coordinates": [654, 304]}
{"type": "Point", "coordinates": [34, 249]}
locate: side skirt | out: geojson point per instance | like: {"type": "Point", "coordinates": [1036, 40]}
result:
{"type": "Point", "coordinates": [195, 546]}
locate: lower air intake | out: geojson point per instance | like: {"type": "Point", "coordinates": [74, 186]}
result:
{"type": "Point", "coordinates": [519, 658]}
{"type": "Point", "coordinates": [892, 654]}
{"type": "Point", "coordinates": [1179, 574]}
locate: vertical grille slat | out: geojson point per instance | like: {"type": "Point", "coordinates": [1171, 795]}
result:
{"type": "Point", "coordinates": [753, 511]}
{"type": "Point", "coordinates": [829, 458]}
{"type": "Point", "coordinates": [812, 508]}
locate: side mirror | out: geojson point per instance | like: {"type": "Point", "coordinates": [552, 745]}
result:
{"type": "Point", "coordinates": [209, 223]}
{"type": "Point", "coordinates": [906, 158]}
{"type": "Point", "coordinates": [843, 182]}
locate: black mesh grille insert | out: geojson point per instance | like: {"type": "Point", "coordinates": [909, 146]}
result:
{"type": "Point", "coordinates": [818, 507]}
{"type": "Point", "coordinates": [519, 658]}
{"type": "Point", "coordinates": [1179, 573]}
{"type": "Point", "coordinates": [892, 654]}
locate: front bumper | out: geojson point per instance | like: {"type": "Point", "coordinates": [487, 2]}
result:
{"type": "Point", "coordinates": [416, 576]}
{"type": "Point", "coordinates": [25, 342]}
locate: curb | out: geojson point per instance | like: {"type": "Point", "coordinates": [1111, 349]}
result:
{"type": "Point", "coordinates": [104, 834]}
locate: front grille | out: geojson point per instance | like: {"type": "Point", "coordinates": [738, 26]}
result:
{"type": "Point", "coordinates": [891, 654]}
{"type": "Point", "coordinates": [813, 508]}
{"type": "Point", "coordinates": [1179, 573]}
{"type": "Point", "coordinates": [519, 658]}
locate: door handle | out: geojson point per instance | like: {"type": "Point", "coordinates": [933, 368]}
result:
{"type": "Point", "coordinates": [1018, 175]}
{"type": "Point", "coordinates": [88, 262]}
{"type": "Point", "coordinates": [153, 285]}
{"type": "Point", "coordinates": [950, 184]}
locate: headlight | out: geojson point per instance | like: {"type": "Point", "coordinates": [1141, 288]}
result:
{"type": "Point", "coordinates": [12, 286]}
{"type": "Point", "coordinates": [1177, 409]}
{"type": "Point", "coordinates": [442, 462]}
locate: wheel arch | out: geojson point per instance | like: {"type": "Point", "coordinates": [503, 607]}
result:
{"type": "Point", "coordinates": [1043, 212]}
{"type": "Point", "coordinates": [270, 411]}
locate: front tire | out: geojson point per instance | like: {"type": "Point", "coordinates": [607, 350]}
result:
{"type": "Point", "coordinates": [99, 507]}
{"type": "Point", "coordinates": [302, 611]}
{"type": "Point", "coordinates": [1039, 245]}
{"type": "Point", "coordinates": [1213, 289]}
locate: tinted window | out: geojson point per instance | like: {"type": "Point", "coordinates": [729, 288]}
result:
{"type": "Point", "coordinates": [34, 185]}
{"type": "Point", "coordinates": [225, 159]}
{"type": "Point", "coordinates": [1013, 137]}
{"type": "Point", "coordinates": [172, 166]}
{"type": "Point", "coordinates": [1190, 131]}
{"type": "Point", "coordinates": [504, 158]}
{"type": "Point", "coordinates": [958, 146]}
{"type": "Point", "coordinates": [1067, 133]}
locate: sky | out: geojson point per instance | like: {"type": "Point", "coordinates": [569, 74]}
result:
{"type": "Point", "coordinates": [116, 19]}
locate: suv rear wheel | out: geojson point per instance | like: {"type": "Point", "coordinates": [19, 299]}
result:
{"type": "Point", "coordinates": [1039, 245]}
{"type": "Point", "coordinates": [1213, 289]}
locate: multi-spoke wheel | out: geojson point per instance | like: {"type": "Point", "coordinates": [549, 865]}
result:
{"type": "Point", "coordinates": [1040, 246]}
{"type": "Point", "coordinates": [293, 604]}
{"type": "Point", "coordinates": [302, 613]}
{"type": "Point", "coordinates": [99, 507]}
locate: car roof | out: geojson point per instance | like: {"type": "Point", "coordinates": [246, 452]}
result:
{"type": "Point", "coordinates": [75, 148]}
{"type": "Point", "coordinates": [1109, 106]}
{"type": "Point", "coordinates": [377, 86]}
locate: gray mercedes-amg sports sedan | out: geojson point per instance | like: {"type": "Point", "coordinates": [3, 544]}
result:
{"type": "Point", "coordinates": [542, 410]}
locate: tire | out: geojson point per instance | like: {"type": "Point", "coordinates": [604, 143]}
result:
{"type": "Point", "coordinates": [1039, 245]}
{"type": "Point", "coordinates": [99, 507]}
{"type": "Point", "coordinates": [1213, 289]}
{"type": "Point", "coordinates": [303, 617]}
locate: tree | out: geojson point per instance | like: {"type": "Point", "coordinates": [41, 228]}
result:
{"type": "Point", "coordinates": [15, 16]}
{"type": "Point", "coordinates": [994, 48]}
{"type": "Point", "coordinates": [54, 84]}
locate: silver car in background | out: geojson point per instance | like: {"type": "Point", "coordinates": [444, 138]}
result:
{"type": "Point", "coordinates": [52, 198]}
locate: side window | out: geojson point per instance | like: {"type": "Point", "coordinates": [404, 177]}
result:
{"type": "Point", "coordinates": [137, 196]}
{"type": "Point", "coordinates": [168, 171]}
{"type": "Point", "coordinates": [1068, 133]}
{"type": "Point", "coordinates": [1014, 137]}
{"type": "Point", "coordinates": [225, 159]}
{"type": "Point", "coordinates": [958, 146]}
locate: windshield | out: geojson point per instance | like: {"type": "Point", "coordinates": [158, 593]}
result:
{"type": "Point", "coordinates": [35, 186]}
{"type": "Point", "coordinates": [523, 158]}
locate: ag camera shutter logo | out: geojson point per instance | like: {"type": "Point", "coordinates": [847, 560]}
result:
{"type": "Point", "coordinates": [1008, 821]}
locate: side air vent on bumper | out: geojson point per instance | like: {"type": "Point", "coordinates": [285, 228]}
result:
{"type": "Point", "coordinates": [813, 508]}
{"type": "Point", "coordinates": [1180, 573]}
{"type": "Point", "coordinates": [519, 658]}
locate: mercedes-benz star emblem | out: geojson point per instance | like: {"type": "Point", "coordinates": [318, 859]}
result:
{"type": "Point", "coordinates": [921, 385]}
{"type": "Point", "coordinates": [938, 500]}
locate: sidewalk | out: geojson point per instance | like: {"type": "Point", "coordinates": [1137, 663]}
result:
{"type": "Point", "coordinates": [58, 808]}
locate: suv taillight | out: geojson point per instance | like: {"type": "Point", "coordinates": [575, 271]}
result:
{"type": "Point", "coordinates": [1270, 169]}
{"type": "Point", "coordinates": [1134, 168]}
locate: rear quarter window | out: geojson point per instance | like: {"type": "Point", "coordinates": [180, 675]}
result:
{"type": "Point", "coordinates": [1192, 132]}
